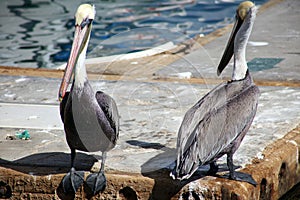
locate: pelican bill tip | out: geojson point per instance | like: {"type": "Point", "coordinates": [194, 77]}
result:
{"type": "Point", "coordinates": [60, 98]}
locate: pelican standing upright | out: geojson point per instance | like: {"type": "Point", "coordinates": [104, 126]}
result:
{"type": "Point", "coordinates": [217, 124]}
{"type": "Point", "coordinates": [91, 120]}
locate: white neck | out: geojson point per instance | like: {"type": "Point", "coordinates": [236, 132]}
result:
{"type": "Point", "coordinates": [240, 42]}
{"type": "Point", "coordinates": [240, 65]}
{"type": "Point", "coordinates": [80, 69]}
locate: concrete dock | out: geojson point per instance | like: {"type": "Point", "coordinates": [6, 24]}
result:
{"type": "Point", "coordinates": [153, 93]}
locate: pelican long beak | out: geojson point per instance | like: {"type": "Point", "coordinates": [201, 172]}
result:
{"type": "Point", "coordinates": [230, 45]}
{"type": "Point", "coordinates": [81, 36]}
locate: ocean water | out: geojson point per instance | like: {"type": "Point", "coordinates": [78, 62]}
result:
{"type": "Point", "coordinates": [39, 33]}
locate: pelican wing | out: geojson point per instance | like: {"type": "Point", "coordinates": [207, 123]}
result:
{"type": "Point", "coordinates": [213, 123]}
{"type": "Point", "coordinates": [188, 158]}
{"type": "Point", "coordinates": [109, 107]}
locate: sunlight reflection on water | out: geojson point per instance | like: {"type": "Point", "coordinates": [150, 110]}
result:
{"type": "Point", "coordinates": [39, 33]}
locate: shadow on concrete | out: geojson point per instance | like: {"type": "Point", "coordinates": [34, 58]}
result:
{"type": "Point", "coordinates": [160, 166]}
{"type": "Point", "coordinates": [146, 145]}
{"type": "Point", "coordinates": [164, 186]}
{"type": "Point", "coordinates": [50, 163]}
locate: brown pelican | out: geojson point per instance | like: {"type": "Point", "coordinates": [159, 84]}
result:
{"type": "Point", "coordinates": [91, 120]}
{"type": "Point", "coordinates": [218, 122]}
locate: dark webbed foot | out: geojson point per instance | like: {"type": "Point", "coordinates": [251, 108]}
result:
{"type": "Point", "coordinates": [96, 182]}
{"type": "Point", "coordinates": [240, 176]}
{"type": "Point", "coordinates": [72, 181]}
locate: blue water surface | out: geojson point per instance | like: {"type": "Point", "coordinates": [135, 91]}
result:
{"type": "Point", "coordinates": [38, 33]}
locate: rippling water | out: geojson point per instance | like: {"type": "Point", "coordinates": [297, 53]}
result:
{"type": "Point", "coordinates": [38, 33]}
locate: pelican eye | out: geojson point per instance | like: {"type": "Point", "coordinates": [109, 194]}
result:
{"type": "Point", "coordinates": [85, 22]}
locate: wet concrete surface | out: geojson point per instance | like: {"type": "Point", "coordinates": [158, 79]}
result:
{"type": "Point", "coordinates": [151, 114]}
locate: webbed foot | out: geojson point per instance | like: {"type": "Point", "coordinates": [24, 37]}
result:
{"type": "Point", "coordinates": [240, 176]}
{"type": "Point", "coordinates": [72, 181]}
{"type": "Point", "coordinates": [96, 183]}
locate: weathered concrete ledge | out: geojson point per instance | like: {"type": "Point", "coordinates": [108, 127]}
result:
{"type": "Point", "coordinates": [275, 174]}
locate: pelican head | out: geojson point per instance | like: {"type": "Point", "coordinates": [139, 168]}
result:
{"type": "Point", "coordinates": [83, 24]}
{"type": "Point", "coordinates": [243, 9]}
{"type": "Point", "coordinates": [245, 15]}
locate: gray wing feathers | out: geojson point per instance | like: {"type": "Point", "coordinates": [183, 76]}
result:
{"type": "Point", "coordinates": [188, 158]}
{"type": "Point", "coordinates": [109, 107]}
{"type": "Point", "coordinates": [196, 114]}
{"type": "Point", "coordinates": [212, 124]}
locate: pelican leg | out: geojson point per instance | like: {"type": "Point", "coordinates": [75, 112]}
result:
{"type": "Point", "coordinates": [238, 176]}
{"type": "Point", "coordinates": [74, 179]}
{"type": "Point", "coordinates": [97, 181]}
{"type": "Point", "coordinates": [230, 166]}
{"type": "Point", "coordinates": [213, 169]}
